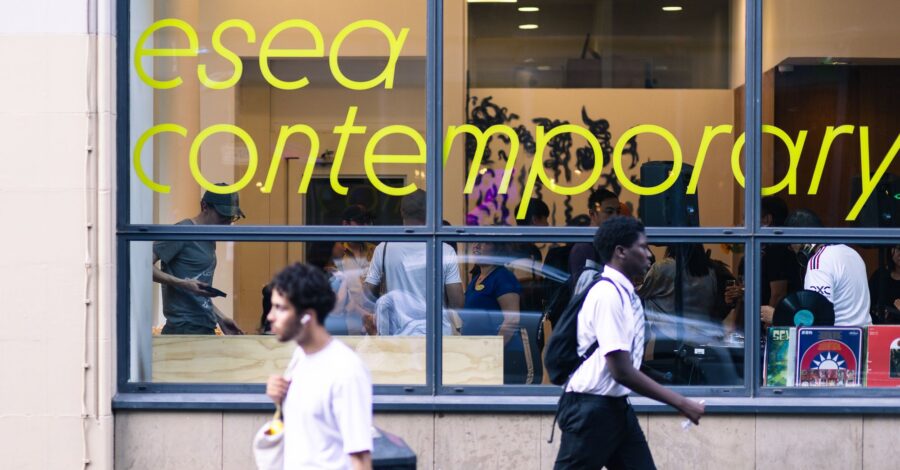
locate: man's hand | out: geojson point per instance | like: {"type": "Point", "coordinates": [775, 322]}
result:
{"type": "Point", "coordinates": [691, 409]}
{"type": "Point", "coordinates": [369, 325]}
{"type": "Point", "coordinates": [195, 287]}
{"type": "Point", "coordinates": [229, 327]}
{"type": "Point", "coordinates": [733, 294]}
{"type": "Point", "coordinates": [766, 314]}
{"type": "Point", "coordinates": [897, 304]}
{"type": "Point", "coordinates": [276, 388]}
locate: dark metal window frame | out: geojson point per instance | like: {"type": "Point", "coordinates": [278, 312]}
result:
{"type": "Point", "coordinates": [434, 395]}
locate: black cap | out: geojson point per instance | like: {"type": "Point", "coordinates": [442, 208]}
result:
{"type": "Point", "coordinates": [227, 205]}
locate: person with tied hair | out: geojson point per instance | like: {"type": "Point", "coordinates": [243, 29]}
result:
{"type": "Point", "coordinates": [326, 393]}
{"type": "Point", "coordinates": [835, 271]}
{"type": "Point", "coordinates": [599, 426]}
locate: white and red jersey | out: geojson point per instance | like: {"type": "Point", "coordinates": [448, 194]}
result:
{"type": "Point", "coordinates": [839, 273]}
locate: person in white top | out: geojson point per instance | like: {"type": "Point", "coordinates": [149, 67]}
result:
{"type": "Point", "coordinates": [835, 271]}
{"type": "Point", "coordinates": [326, 394]}
{"type": "Point", "coordinates": [599, 427]}
{"type": "Point", "coordinates": [400, 267]}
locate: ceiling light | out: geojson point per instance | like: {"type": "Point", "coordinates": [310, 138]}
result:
{"type": "Point", "coordinates": [528, 26]}
{"type": "Point", "coordinates": [529, 9]}
{"type": "Point", "coordinates": [544, 68]}
{"type": "Point", "coordinates": [672, 8]}
{"type": "Point", "coordinates": [492, 1]}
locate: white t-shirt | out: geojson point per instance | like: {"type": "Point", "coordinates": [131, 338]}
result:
{"type": "Point", "coordinates": [328, 409]}
{"type": "Point", "coordinates": [404, 264]}
{"type": "Point", "coordinates": [839, 273]}
{"type": "Point", "coordinates": [612, 315]}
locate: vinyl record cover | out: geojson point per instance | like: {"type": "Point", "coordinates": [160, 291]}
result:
{"type": "Point", "coordinates": [883, 356]}
{"type": "Point", "coordinates": [780, 349]}
{"type": "Point", "coordinates": [829, 356]}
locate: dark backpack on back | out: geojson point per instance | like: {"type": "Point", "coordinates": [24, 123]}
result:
{"type": "Point", "coordinates": [561, 357]}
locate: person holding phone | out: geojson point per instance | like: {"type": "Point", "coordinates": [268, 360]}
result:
{"type": "Point", "coordinates": [186, 269]}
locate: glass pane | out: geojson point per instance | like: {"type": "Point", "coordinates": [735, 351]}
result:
{"type": "Point", "coordinates": [831, 107]}
{"type": "Point", "coordinates": [301, 113]}
{"type": "Point", "coordinates": [514, 292]}
{"type": "Point", "coordinates": [598, 107]}
{"type": "Point", "coordinates": [180, 336]}
{"type": "Point", "coordinates": [838, 323]}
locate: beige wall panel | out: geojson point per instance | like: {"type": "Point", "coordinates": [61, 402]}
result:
{"type": "Point", "coordinates": [238, 430]}
{"type": "Point", "coordinates": [487, 442]}
{"type": "Point", "coordinates": [416, 429]}
{"type": "Point", "coordinates": [45, 152]}
{"type": "Point", "coordinates": [52, 442]}
{"type": "Point", "coordinates": [880, 449]}
{"type": "Point", "coordinates": [719, 442]}
{"type": "Point", "coordinates": [548, 450]}
{"type": "Point", "coordinates": [54, 375]}
{"type": "Point", "coordinates": [43, 74]}
{"type": "Point", "coordinates": [161, 440]}
{"type": "Point", "coordinates": [821, 442]}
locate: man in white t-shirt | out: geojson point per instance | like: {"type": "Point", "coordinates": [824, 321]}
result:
{"type": "Point", "coordinates": [326, 394]}
{"type": "Point", "coordinates": [835, 271]}
{"type": "Point", "coordinates": [400, 266]}
{"type": "Point", "coordinates": [599, 427]}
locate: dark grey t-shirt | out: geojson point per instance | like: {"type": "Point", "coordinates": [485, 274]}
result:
{"type": "Point", "coordinates": [187, 260]}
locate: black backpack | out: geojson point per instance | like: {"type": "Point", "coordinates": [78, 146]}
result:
{"type": "Point", "coordinates": [560, 296]}
{"type": "Point", "coordinates": [561, 357]}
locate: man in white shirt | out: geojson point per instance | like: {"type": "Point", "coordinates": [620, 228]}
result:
{"type": "Point", "coordinates": [599, 427]}
{"type": "Point", "coordinates": [326, 394]}
{"type": "Point", "coordinates": [835, 271]}
{"type": "Point", "coordinates": [400, 267]}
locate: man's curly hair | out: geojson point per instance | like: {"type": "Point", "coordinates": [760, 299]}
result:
{"type": "Point", "coordinates": [305, 287]}
{"type": "Point", "coordinates": [616, 231]}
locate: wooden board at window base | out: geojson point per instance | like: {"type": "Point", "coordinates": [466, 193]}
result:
{"type": "Point", "coordinates": [392, 360]}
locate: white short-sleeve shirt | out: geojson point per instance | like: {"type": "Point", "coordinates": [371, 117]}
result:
{"type": "Point", "coordinates": [403, 265]}
{"type": "Point", "coordinates": [839, 273]}
{"type": "Point", "coordinates": [328, 409]}
{"type": "Point", "coordinates": [612, 315]}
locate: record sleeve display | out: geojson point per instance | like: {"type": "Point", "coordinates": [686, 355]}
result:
{"type": "Point", "coordinates": [804, 308]}
{"type": "Point", "coordinates": [883, 356]}
{"type": "Point", "coordinates": [781, 345]}
{"type": "Point", "coordinates": [829, 356]}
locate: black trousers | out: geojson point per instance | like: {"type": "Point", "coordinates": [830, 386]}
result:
{"type": "Point", "coordinates": [600, 431]}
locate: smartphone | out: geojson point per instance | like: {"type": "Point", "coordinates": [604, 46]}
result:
{"type": "Point", "coordinates": [215, 292]}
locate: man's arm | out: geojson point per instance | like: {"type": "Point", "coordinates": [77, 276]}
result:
{"type": "Point", "coordinates": [191, 285]}
{"type": "Point", "coordinates": [779, 290]}
{"type": "Point", "coordinates": [361, 461]}
{"type": "Point", "coordinates": [456, 299]}
{"type": "Point", "coordinates": [619, 363]}
{"type": "Point", "coordinates": [228, 326]}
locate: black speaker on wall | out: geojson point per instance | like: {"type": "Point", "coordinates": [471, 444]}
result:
{"type": "Point", "coordinates": [882, 209]}
{"type": "Point", "coordinates": [673, 207]}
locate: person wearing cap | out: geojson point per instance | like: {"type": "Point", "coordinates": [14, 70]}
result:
{"type": "Point", "coordinates": [186, 269]}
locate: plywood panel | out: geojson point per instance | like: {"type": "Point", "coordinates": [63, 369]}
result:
{"type": "Point", "coordinates": [469, 360]}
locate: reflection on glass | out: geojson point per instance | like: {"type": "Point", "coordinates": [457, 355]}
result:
{"type": "Point", "coordinates": [514, 295]}
{"type": "Point", "coordinates": [577, 106]}
{"type": "Point", "coordinates": [830, 109]}
{"type": "Point", "coordinates": [199, 308]}
{"type": "Point", "coordinates": [838, 328]}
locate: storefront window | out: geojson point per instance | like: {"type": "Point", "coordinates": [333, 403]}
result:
{"type": "Point", "coordinates": [592, 108]}
{"type": "Point", "coordinates": [514, 293]}
{"type": "Point", "coordinates": [831, 108]}
{"type": "Point", "coordinates": [303, 111]}
{"type": "Point", "coordinates": [223, 336]}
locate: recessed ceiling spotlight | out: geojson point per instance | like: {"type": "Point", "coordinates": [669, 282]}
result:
{"type": "Point", "coordinates": [528, 26]}
{"type": "Point", "coordinates": [544, 68]}
{"type": "Point", "coordinates": [528, 60]}
{"type": "Point", "coordinates": [492, 1]}
{"type": "Point", "coordinates": [672, 8]}
{"type": "Point", "coordinates": [529, 9]}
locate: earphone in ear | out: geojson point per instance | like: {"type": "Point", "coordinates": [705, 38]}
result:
{"type": "Point", "coordinates": [305, 319]}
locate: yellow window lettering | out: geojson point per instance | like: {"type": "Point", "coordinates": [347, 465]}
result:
{"type": "Point", "coordinates": [265, 52]}
{"type": "Point", "coordinates": [830, 134]}
{"type": "Point", "coordinates": [370, 158]}
{"type": "Point", "coordinates": [709, 133]}
{"type": "Point", "coordinates": [140, 51]}
{"type": "Point", "coordinates": [676, 159]}
{"type": "Point", "coordinates": [194, 158]}
{"type": "Point", "coordinates": [283, 134]}
{"type": "Point", "coordinates": [395, 44]}
{"type": "Point", "coordinates": [537, 165]}
{"type": "Point", "coordinates": [870, 181]}
{"type": "Point", "coordinates": [345, 132]}
{"type": "Point", "coordinates": [227, 55]}
{"type": "Point", "coordinates": [139, 148]}
{"type": "Point", "coordinates": [794, 150]}
{"type": "Point", "coordinates": [482, 138]}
